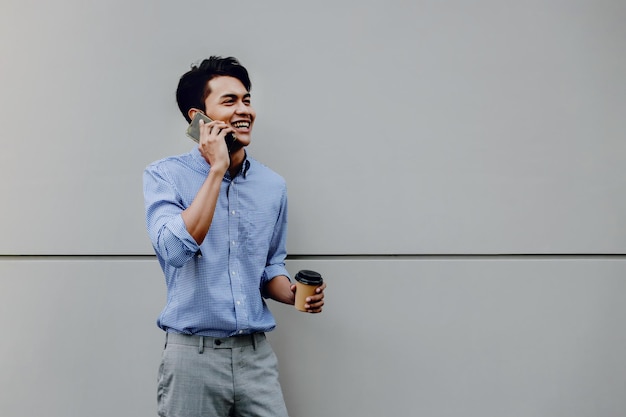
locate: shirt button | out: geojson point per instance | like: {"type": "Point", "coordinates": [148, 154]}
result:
{"type": "Point", "coordinates": [233, 243]}
{"type": "Point", "coordinates": [238, 302]}
{"type": "Point", "coordinates": [240, 331]}
{"type": "Point", "coordinates": [232, 212]}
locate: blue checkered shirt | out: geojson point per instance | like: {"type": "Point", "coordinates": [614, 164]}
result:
{"type": "Point", "coordinates": [215, 289]}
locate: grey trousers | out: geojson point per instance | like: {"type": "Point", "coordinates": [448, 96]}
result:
{"type": "Point", "coordinates": [219, 377]}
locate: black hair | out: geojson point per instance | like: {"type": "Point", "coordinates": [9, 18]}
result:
{"type": "Point", "coordinates": [193, 87]}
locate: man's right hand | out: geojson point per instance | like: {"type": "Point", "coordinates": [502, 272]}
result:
{"type": "Point", "coordinates": [212, 145]}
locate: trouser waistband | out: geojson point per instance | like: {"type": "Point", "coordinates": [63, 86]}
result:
{"type": "Point", "coordinates": [214, 342]}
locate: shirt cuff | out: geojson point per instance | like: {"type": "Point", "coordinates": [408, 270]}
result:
{"type": "Point", "coordinates": [272, 271]}
{"type": "Point", "coordinates": [179, 230]}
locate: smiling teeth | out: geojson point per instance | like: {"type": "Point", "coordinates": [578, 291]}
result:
{"type": "Point", "coordinates": [241, 124]}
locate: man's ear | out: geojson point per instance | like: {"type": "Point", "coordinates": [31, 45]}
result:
{"type": "Point", "coordinates": [192, 112]}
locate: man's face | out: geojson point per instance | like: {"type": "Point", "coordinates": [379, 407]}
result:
{"type": "Point", "coordinates": [229, 101]}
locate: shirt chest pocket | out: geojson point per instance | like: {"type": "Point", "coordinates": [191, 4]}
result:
{"type": "Point", "coordinates": [257, 229]}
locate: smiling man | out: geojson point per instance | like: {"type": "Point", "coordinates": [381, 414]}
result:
{"type": "Point", "coordinates": [218, 224]}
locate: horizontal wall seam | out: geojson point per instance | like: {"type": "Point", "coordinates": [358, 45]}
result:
{"type": "Point", "coordinates": [341, 257]}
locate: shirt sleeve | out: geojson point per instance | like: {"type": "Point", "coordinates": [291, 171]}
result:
{"type": "Point", "coordinates": [275, 264]}
{"type": "Point", "coordinates": [166, 228]}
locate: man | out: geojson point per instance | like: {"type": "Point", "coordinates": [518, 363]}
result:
{"type": "Point", "coordinates": [218, 224]}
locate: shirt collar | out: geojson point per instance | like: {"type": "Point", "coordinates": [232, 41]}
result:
{"type": "Point", "coordinates": [243, 169]}
{"type": "Point", "coordinates": [245, 166]}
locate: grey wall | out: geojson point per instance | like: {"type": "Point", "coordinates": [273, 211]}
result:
{"type": "Point", "coordinates": [455, 170]}
{"type": "Point", "coordinates": [416, 337]}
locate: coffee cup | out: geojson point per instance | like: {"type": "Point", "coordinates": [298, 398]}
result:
{"type": "Point", "coordinates": [306, 283]}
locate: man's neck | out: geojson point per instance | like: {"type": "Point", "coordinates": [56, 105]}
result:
{"type": "Point", "coordinates": [236, 159]}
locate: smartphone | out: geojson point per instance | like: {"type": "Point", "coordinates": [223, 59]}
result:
{"type": "Point", "coordinates": [193, 131]}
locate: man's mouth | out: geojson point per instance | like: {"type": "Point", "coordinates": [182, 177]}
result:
{"type": "Point", "coordinates": [241, 124]}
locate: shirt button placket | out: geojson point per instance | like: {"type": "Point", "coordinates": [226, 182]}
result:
{"type": "Point", "coordinates": [233, 230]}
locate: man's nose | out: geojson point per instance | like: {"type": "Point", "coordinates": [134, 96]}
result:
{"type": "Point", "coordinates": [242, 108]}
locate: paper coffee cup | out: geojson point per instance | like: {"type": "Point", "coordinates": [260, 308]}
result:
{"type": "Point", "coordinates": [306, 283]}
